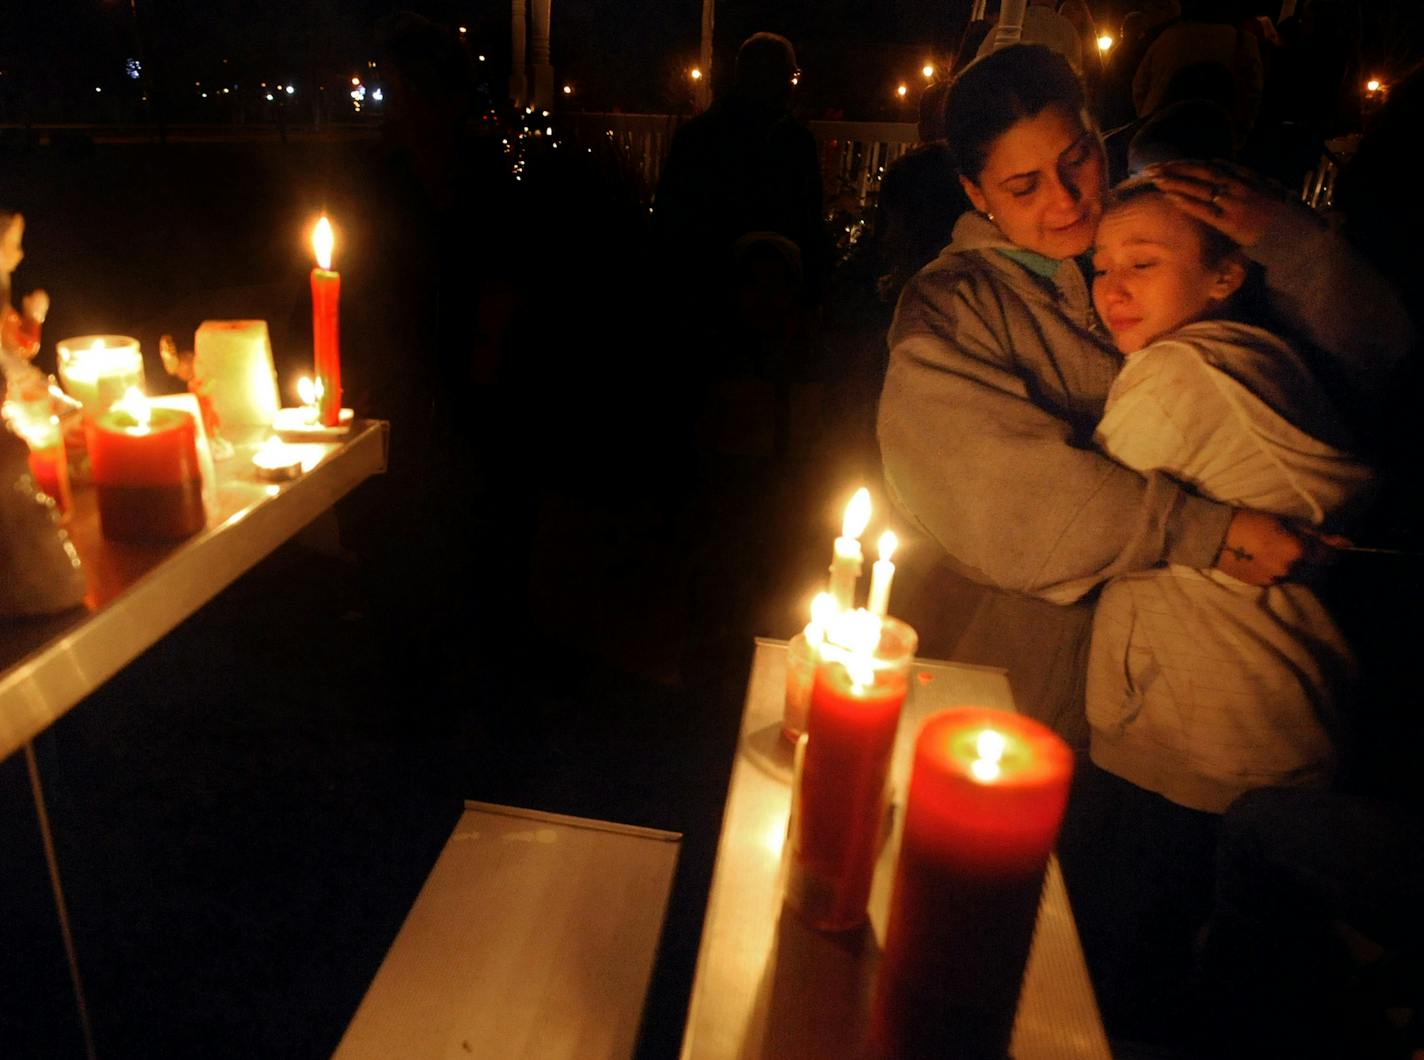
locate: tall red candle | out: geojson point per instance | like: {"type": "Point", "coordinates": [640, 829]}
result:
{"type": "Point", "coordinates": [146, 475]}
{"type": "Point", "coordinates": [840, 800]}
{"type": "Point", "coordinates": [326, 326]}
{"type": "Point", "coordinates": [980, 822]}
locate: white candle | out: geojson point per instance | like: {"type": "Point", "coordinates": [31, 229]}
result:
{"type": "Point", "coordinates": [881, 572]}
{"type": "Point", "coordinates": [845, 565]}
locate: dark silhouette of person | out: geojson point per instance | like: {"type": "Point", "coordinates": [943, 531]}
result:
{"type": "Point", "coordinates": [425, 294]}
{"type": "Point", "coordinates": [745, 165]}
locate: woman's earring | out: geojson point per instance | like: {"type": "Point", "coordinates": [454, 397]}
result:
{"type": "Point", "coordinates": [988, 215]}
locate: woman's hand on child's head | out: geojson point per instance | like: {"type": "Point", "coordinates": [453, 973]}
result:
{"type": "Point", "coordinates": [1261, 549]}
{"type": "Point", "coordinates": [1228, 197]}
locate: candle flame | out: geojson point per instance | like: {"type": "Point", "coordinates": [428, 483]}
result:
{"type": "Point", "coordinates": [322, 242]}
{"type": "Point", "coordinates": [888, 543]}
{"type": "Point", "coordinates": [823, 612]}
{"type": "Point", "coordinates": [274, 453]}
{"type": "Point", "coordinates": [857, 514]}
{"type": "Point", "coordinates": [135, 404]}
{"type": "Point", "coordinates": [1105, 42]}
{"type": "Point", "coordinates": [990, 745]}
{"type": "Point", "coordinates": [854, 636]}
{"type": "Point", "coordinates": [306, 391]}
{"type": "Point", "coordinates": [990, 748]}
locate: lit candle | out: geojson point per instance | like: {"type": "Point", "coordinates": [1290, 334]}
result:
{"type": "Point", "coordinates": [882, 571]}
{"type": "Point", "coordinates": [326, 314]}
{"type": "Point", "coordinates": [845, 564]}
{"type": "Point", "coordinates": [987, 792]}
{"type": "Point", "coordinates": [49, 467]}
{"type": "Point", "coordinates": [803, 652]}
{"type": "Point", "coordinates": [276, 461]}
{"type": "Point", "coordinates": [144, 464]}
{"type": "Point", "coordinates": [29, 411]}
{"type": "Point", "coordinates": [310, 395]}
{"type": "Point", "coordinates": [98, 370]}
{"type": "Point", "coordinates": [856, 697]}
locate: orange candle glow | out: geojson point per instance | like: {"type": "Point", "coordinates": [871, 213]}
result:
{"type": "Point", "coordinates": [326, 315]}
{"type": "Point", "coordinates": [144, 463]}
{"type": "Point", "coordinates": [987, 793]}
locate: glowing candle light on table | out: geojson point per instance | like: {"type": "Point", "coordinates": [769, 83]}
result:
{"type": "Point", "coordinates": [97, 370]}
{"type": "Point", "coordinates": [803, 652]}
{"type": "Point", "coordinates": [147, 478]}
{"type": "Point", "coordinates": [882, 571]}
{"type": "Point", "coordinates": [326, 315]}
{"type": "Point", "coordinates": [856, 697]}
{"type": "Point", "coordinates": [845, 564]}
{"type": "Point", "coordinates": [987, 792]}
{"type": "Point", "coordinates": [29, 412]}
{"type": "Point", "coordinates": [276, 461]}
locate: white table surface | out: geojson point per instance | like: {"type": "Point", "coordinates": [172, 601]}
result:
{"type": "Point", "coordinates": [766, 986]}
{"type": "Point", "coordinates": [532, 939]}
{"type": "Point", "coordinates": [136, 593]}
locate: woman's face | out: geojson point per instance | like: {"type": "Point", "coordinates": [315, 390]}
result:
{"type": "Point", "coordinates": [1043, 183]}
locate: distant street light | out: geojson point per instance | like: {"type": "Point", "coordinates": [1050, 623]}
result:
{"type": "Point", "coordinates": [1105, 43]}
{"type": "Point", "coordinates": [928, 70]}
{"type": "Point", "coordinates": [1373, 85]}
{"type": "Point", "coordinates": [902, 90]}
{"type": "Point", "coordinates": [695, 74]}
{"type": "Point", "coordinates": [568, 90]}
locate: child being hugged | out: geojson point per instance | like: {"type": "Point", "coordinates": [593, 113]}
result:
{"type": "Point", "coordinates": [1201, 687]}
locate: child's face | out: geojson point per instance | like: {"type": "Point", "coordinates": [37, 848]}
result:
{"type": "Point", "coordinates": [1148, 272]}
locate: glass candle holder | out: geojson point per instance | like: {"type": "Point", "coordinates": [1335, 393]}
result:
{"type": "Point", "coordinates": [837, 826]}
{"type": "Point", "coordinates": [31, 416]}
{"type": "Point", "coordinates": [987, 794]}
{"type": "Point", "coordinates": [97, 370]}
{"type": "Point", "coordinates": [801, 658]}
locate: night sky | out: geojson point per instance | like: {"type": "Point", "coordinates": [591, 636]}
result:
{"type": "Point", "coordinates": [628, 55]}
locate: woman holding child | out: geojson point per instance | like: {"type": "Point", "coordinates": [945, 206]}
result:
{"type": "Point", "coordinates": [1000, 373]}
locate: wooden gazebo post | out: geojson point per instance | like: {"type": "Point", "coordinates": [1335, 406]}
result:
{"type": "Point", "coordinates": [702, 94]}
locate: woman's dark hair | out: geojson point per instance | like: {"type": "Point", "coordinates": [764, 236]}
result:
{"type": "Point", "coordinates": [999, 90]}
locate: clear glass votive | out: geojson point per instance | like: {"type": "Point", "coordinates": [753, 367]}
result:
{"type": "Point", "coordinates": [856, 697]}
{"type": "Point", "coordinates": [97, 370]}
{"type": "Point", "coordinates": [801, 659]}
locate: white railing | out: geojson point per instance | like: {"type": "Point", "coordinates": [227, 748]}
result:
{"type": "Point", "coordinates": [854, 154]}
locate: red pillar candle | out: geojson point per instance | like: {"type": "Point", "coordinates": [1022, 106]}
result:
{"type": "Point", "coordinates": [981, 818]}
{"type": "Point", "coordinates": [326, 329]}
{"type": "Point", "coordinates": [49, 467]}
{"type": "Point", "coordinates": [856, 697]}
{"type": "Point", "coordinates": [147, 479]}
